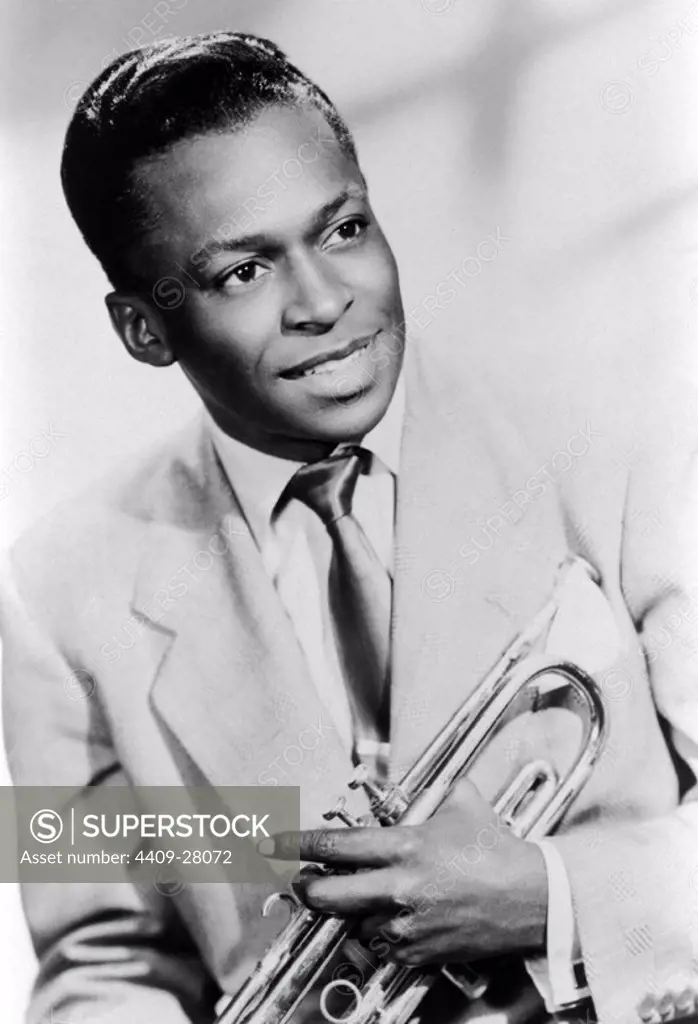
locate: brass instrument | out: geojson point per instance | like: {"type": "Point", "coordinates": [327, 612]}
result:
{"type": "Point", "coordinates": [532, 804]}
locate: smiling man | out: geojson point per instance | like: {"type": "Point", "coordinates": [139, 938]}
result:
{"type": "Point", "coordinates": [317, 269]}
{"type": "Point", "coordinates": [221, 191]}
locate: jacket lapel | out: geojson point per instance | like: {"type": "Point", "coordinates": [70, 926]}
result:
{"type": "Point", "coordinates": [232, 684]}
{"type": "Point", "coordinates": [462, 588]}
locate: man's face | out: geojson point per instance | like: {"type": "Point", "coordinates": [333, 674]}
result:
{"type": "Point", "coordinates": [291, 323]}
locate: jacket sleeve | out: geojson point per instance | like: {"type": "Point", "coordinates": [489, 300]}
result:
{"type": "Point", "coordinates": [635, 883]}
{"type": "Point", "coordinates": [110, 952]}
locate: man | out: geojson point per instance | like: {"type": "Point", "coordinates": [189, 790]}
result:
{"type": "Point", "coordinates": [230, 600]}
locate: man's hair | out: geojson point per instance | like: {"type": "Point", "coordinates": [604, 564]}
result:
{"type": "Point", "coordinates": [147, 100]}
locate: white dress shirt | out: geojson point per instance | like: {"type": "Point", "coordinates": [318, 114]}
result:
{"type": "Point", "coordinates": [296, 550]}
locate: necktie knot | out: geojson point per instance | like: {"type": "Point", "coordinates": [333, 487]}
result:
{"type": "Point", "coordinates": [327, 486]}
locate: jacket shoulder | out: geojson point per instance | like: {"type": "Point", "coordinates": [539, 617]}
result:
{"type": "Point", "coordinates": [97, 534]}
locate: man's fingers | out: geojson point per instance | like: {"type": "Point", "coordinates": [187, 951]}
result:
{"type": "Point", "coordinates": [394, 928]}
{"type": "Point", "coordinates": [304, 876]}
{"type": "Point", "coordinates": [367, 892]}
{"type": "Point", "coordinates": [355, 847]}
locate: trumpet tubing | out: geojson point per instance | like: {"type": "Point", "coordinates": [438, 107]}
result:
{"type": "Point", "coordinates": [531, 804]}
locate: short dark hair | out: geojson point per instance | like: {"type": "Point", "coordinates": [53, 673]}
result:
{"type": "Point", "coordinates": [150, 98]}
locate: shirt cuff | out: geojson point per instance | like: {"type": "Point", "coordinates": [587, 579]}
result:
{"type": "Point", "coordinates": [554, 975]}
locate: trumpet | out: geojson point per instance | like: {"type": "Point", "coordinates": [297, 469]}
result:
{"type": "Point", "coordinates": [532, 804]}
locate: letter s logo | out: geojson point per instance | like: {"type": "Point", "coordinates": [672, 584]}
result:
{"type": "Point", "coordinates": [46, 826]}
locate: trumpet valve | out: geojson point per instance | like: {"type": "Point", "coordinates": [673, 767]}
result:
{"type": "Point", "coordinates": [387, 802]}
{"type": "Point", "coordinates": [361, 777]}
{"type": "Point", "coordinates": [339, 811]}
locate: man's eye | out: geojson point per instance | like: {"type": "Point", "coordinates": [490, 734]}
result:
{"type": "Point", "coordinates": [348, 231]}
{"type": "Point", "coordinates": [245, 273]}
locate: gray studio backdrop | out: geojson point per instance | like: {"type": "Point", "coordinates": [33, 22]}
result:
{"type": "Point", "coordinates": [539, 159]}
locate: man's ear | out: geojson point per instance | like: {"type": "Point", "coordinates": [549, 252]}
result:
{"type": "Point", "coordinates": [140, 328]}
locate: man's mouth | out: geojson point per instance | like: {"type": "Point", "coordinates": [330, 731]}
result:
{"type": "Point", "coordinates": [330, 362]}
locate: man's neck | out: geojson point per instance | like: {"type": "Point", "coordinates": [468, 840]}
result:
{"type": "Point", "coordinates": [385, 433]}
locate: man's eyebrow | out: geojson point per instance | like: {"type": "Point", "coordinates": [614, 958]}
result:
{"type": "Point", "coordinates": [260, 240]}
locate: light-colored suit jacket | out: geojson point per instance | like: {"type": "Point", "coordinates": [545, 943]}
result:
{"type": "Point", "coordinates": [149, 592]}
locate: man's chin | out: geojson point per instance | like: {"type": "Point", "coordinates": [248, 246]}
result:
{"type": "Point", "coordinates": [350, 417]}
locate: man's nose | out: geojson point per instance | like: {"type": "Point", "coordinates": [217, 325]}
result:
{"type": "Point", "coordinates": [317, 297]}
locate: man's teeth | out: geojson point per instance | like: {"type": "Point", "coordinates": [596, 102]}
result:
{"type": "Point", "coordinates": [333, 364]}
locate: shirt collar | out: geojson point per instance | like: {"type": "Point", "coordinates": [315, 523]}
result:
{"type": "Point", "coordinates": [259, 479]}
{"type": "Point", "coordinates": [386, 437]}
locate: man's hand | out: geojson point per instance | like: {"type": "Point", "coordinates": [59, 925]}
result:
{"type": "Point", "coordinates": [460, 887]}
